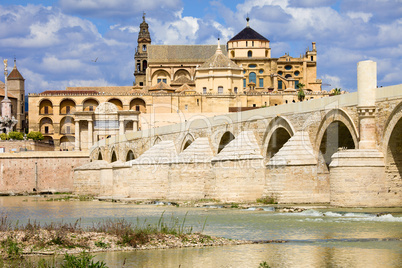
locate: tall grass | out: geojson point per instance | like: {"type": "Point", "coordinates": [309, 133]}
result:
{"type": "Point", "coordinates": [127, 232]}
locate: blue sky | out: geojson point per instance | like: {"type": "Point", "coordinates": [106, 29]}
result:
{"type": "Point", "coordinates": [55, 42]}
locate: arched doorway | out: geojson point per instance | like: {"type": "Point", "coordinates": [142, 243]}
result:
{"type": "Point", "coordinates": [225, 140]}
{"type": "Point", "coordinates": [117, 102]}
{"type": "Point", "coordinates": [46, 107]}
{"type": "Point", "coordinates": [67, 106]}
{"type": "Point", "coordinates": [89, 105]}
{"type": "Point", "coordinates": [67, 143]}
{"type": "Point", "coordinates": [100, 156]}
{"type": "Point", "coordinates": [139, 105]}
{"type": "Point", "coordinates": [336, 136]}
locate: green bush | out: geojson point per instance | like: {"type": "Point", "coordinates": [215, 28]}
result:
{"type": "Point", "coordinates": [15, 135]}
{"type": "Point", "coordinates": [14, 251]}
{"type": "Point", "coordinates": [84, 260]}
{"type": "Point", "coordinates": [35, 135]}
{"type": "Point", "coordinates": [3, 136]}
{"type": "Point", "coordinates": [267, 200]}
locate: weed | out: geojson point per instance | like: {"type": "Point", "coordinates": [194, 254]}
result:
{"type": "Point", "coordinates": [264, 264]}
{"type": "Point", "coordinates": [267, 200]}
{"type": "Point", "coordinates": [83, 260]}
{"type": "Point", "coordinates": [101, 244]}
{"type": "Point", "coordinates": [234, 205]}
{"type": "Point", "coordinates": [14, 251]}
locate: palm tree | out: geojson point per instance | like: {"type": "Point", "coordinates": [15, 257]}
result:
{"type": "Point", "coordinates": [300, 93]}
{"type": "Point", "coordinates": [336, 91]}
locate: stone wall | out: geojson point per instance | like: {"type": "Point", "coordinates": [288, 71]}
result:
{"type": "Point", "coordinates": [22, 145]}
{"type": "Point", "coordinates": [43, 171]}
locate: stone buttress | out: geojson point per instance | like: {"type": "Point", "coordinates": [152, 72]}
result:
{"type": "Point", "coordinates": [291, 174]}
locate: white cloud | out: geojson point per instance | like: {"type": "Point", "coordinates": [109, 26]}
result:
{"type": "Point", "coordinates": [360, 15]}
{"type": "Point", "coordinates": [333, 81]}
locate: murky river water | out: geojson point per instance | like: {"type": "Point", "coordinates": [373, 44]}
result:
{"type": "Point", "coordinates": [316, 237]}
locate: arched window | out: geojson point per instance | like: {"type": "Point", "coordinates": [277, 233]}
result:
{"type": "Point", "coordinates": [249, 54]}
{"type": "Point", "coordinates": [233, 54]}
{"type": "Point", "coordinates": [288, 76]}
{"type": "Point", "coordinates": [144, 47]}
{"type": "Point", "coordinates": [297, 73]}
{"type": "Point", "coordinates": [252, 78]}
{"type": "Point", "coordinates": [144, 65]}
{"type": "Point", "coordinates": [280, 72]}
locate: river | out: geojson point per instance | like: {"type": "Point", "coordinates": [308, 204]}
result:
{"type": "Point", "coordinates": [317, 237]}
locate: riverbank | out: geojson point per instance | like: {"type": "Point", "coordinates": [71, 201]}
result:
{"type": "Point", "coordinates": [110, 235]}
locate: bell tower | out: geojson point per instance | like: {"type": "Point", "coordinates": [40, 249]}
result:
{"type": "Point", "coordinates": [141, 53]}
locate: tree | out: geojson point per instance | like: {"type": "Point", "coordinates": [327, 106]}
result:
{"type": "Point", "coordinates": [300, 94]}
{"type": "Point", "coordinates": [15, 135]}
{"type": "Point", "coordinates": [336, 91]}
{"type": "Point", "coordinates": [3, 136]}
{"type": "Point", "coordinates": [35, 135]}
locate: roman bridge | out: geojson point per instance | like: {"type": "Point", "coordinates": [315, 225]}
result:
{"type": "Point", "coordinates": [345, 150]}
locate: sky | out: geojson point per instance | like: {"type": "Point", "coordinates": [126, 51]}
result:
{"type": "Point", "coordinates": [64, 43]}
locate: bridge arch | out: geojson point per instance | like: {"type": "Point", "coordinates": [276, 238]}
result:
{"type": "Point", "coordinates": [336, 130]}
{"type": "Point", "coordinates": [278, 132]}
{"type": "Point", "coordinates": [225, 139]}
{"type": "Point", "coordinates": [130, 155]}
{"type": "Point", "coordinates": [113, 157]}
{"type": "Point", "coordinates": [157, 140]}
{"type": "Point", "coordinates": [392, 145]}
{"type": "Point", "coordinates": [188, 139]}
{"type": "Point", "coordinates": [96, 154]}
{"type": "Point", "coordinates": [392, 121]}
{"type": "Point", "coordinates": [332, 116]}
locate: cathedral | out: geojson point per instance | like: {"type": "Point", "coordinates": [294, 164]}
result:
{"type": "Point", "coordinates": [175, 83]}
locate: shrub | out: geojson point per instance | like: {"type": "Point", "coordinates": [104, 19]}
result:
{"type": "Point", "coordinates": [3, 136]}
{"type": "Point", "coordinates": [15, 135]}
{"type": "Point", "coordinates": [35, 135]}
{"type": "Point", "coordinates": [267, 200]}
{"type": "Point", "coordinates": [84, 260]}
{"type": "Point", "coordinates": [12, 248]}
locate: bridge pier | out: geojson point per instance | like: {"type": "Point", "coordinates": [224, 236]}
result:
{"type": "Point", "coordinates": [357, 177]}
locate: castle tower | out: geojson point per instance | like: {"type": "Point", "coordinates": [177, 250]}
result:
{"type": "Point", "coordinates": [141, 54]}
{"type": "Point", "coordinates": [16, 86]}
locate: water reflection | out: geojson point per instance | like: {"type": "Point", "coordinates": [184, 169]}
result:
{"type": "Point", "coordinates": [316, 238]}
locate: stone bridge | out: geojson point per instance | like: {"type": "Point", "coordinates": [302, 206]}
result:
{"type": "Point", "coordinates": [345, 150]}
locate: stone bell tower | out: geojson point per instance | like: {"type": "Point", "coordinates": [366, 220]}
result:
{"type": "Point", "coordinates": [141, 53]}
{"type": "Point", "coordinates": [16, 86]}
{"type": "Point", "coordinates": [7, 121]}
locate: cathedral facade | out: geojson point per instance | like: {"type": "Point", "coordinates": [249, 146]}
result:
{"type": "Point", "coordinates": [174, 83]}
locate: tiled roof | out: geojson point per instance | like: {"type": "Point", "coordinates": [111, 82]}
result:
{"type": "Point", "coordinates": [183, 80]}
{"type": "Point", "coordinates": [15, 75]}
{"type": "Point", "coordinates": [2, 93]}
{"type": "Point", "coordinates": [161, 86]}
{"type": "Point", "coordinates": [248, 34]}
{"type": "Point", "coordinates": [219, 60]}
{"type": "Point", "coordinates": [181, 53]}
{"type": "Point", "coordinates": [69, 92]}
{"type": "Point", "coordinates": [106, 89]}
{"type": "Point", "coordinates": [185, 88]}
